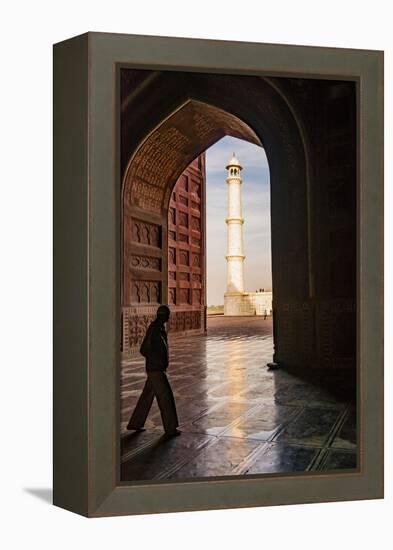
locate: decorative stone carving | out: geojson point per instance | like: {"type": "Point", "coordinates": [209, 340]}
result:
{"type": "Point", "coordinates": [183, 219]}
{"type": "Point", "coordinates": [172, 216]}
{"type": "Point", "coordinates": [135, 295]}
{"type": "Point", "coordinates": [183, 182]}
{"type": "Point", "coordinates": [172, 295]}
{"type": "Point", "coordinates": [172, 255]}
{"type": "Point", "coordinates": [145, 262]}
{"type": "Point", "coordinates": [136, 232]}
{"type": "Point", "coordinates": [145, 237]}
{"type": "Point", "coordinates": [195, 223]}
{"type": "Point", "coordinates": [181, 321]}
{"type": "Point", "coordinates": [146, 233]}
{"type": "Point", "coordinates": [135, 320]}
{"type": "Point", "coordinates": [145, 292]}
{"type": "Point", "coordinates": [184, 295]}
{"type": "Point", "coordinates": [171, 145]}
{"type": "Point", "coordinates": [154, 162]}
{"type": "Point", "coordinates": [154, 293]}
{"type": "Point", "coordinates": [195, 241]}
{"type": "Point", "coordinates": [196, 260]}
{"type": "Point", "coordinates": [155, 236]}
{"type": "Point", "coordinates": [184, 257]}
{"type": "Point", "coordinates": [137, 329]}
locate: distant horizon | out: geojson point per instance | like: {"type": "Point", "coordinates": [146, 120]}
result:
{"type": "Point", "coordinates": [256, 213]}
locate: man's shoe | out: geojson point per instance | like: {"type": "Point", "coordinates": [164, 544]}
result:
{"type": "Point", "coordinates": [175, 433]}
{"type": "Point", "coordinates": [135, 429]}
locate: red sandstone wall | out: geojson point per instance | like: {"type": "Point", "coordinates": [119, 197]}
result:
{"type": "Point", "coordinates": [186, 249]}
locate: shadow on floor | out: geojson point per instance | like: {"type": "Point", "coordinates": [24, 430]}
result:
{"type": "Point", "coordinates": [341, 384]}
{"type": "Point", "coordinates": [43, 494]}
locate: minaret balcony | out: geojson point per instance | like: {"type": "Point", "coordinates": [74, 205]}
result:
{"type": "Point", "coordinates": [234, 219]}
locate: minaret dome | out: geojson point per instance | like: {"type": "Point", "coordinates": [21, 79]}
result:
{"type": "Point", "coordinates": [234, 166]}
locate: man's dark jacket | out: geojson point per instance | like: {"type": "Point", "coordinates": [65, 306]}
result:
{"type": "Point", "coordinates": [155, 347]}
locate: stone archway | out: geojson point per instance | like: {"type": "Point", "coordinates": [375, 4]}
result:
{"type": "Point", "coordinates": [150, 176]}
{"type": "Point", "coordinates": [168, 119]}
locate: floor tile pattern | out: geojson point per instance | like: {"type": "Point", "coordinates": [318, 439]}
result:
{"type": "Point", "coordinates": [237, 417]}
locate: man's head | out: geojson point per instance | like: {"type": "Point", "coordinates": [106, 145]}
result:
{"type": "Point", "coordinates": [163, 313]}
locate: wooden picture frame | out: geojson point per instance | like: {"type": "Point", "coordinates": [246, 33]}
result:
{"type": "Point", "coordinates": [87, 273]}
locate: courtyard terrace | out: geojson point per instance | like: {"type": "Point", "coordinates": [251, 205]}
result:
{"type": "Point", "coordinates": [236, 416]}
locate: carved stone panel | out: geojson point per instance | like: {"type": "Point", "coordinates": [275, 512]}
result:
{"type": "Point", "coordinates": [137, 328]}
{"type": "Point", "coordinates": [184, 257]}
{"type": "Point", "coordinates": [195, 223]}
{"type": "Point", "coordinates": [155, 293]}
{"type": "Point", "coordinates": [186, 277]}
{"type": "Point", "coordinates": [145, 292]}
{"type": "Point", "coordinates": [182, 321]}
{"type": "Point", "coordinates": [172, 255]}
{"type": "Point", "coordinates": [172, 295]}
{"type": "Point", "coordinates": [183, 182]}
{"type": "Point", "coordinates": [184, 295]}
{"type": "Point", "coordinates": [145, 262]}
{"type": "Point", "coordinates": [172, 216]}
{"type": "Point", "coordinates": [146, 233]}
{"type": "Point", "coordinates": [183, 219]}
{"type": "Point", "coordinates": [195, 241]}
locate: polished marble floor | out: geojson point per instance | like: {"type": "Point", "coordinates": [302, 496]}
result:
{"type": "Point", "coordinates": [237, 417]}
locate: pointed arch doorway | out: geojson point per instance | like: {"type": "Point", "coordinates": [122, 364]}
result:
{"type": "Point", "coordinates": [153, 160]}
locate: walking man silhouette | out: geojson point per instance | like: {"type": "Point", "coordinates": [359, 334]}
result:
{"type": "Point", "coordinates": [155, 350]}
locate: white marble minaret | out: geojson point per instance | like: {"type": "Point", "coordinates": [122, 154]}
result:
{"type": "Point", "coordinates": [236, 300]}
{"type": "Point", "coordinates": [235, 250]}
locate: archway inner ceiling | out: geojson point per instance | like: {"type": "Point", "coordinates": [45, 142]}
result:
{"type": "Point", "coordinates": [171, 147]}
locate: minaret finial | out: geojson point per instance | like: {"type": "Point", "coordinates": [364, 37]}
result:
{"type": "Point", "coordinates": [234, 162]}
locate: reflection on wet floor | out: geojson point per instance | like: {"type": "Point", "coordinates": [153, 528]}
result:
{"type": "Point", "coordinates": [237, 417]}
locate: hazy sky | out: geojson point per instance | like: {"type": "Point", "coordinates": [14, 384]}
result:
{"type": "Point", "coordinates": [256, 212]}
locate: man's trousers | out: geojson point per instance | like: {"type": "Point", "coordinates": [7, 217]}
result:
{"type": "Point", "coordinates": [156, 385]}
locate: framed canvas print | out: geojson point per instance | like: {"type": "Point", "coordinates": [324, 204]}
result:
{"type": "Point", "coordinates": [218, 274]}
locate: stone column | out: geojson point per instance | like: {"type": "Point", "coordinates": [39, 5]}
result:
{"type": "Point", "coordinates": [235, 251]}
